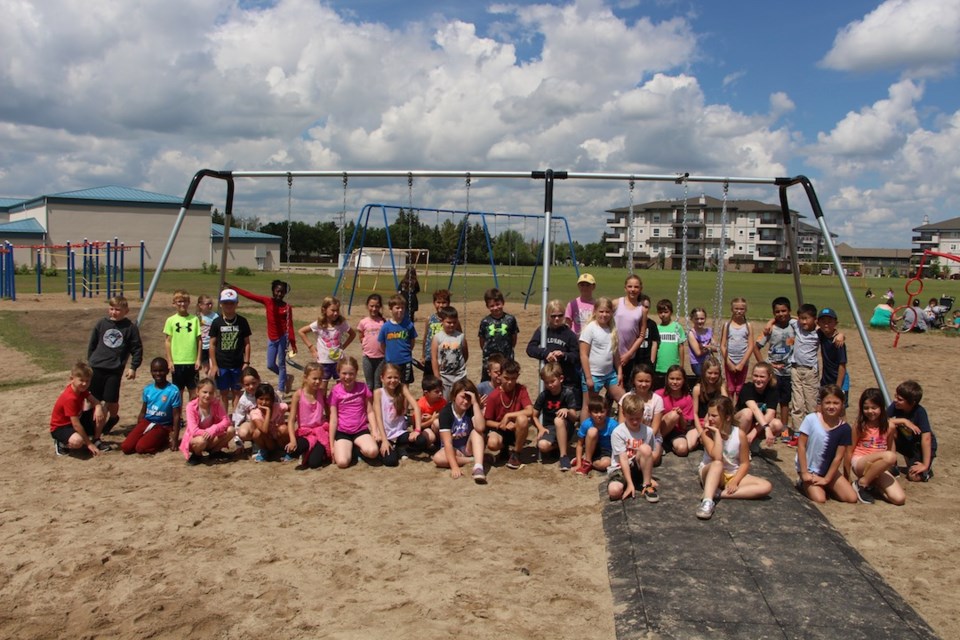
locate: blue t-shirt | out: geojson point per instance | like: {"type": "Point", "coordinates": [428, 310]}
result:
{"type": "Point", "coordinates": [160, 403]}
{"type": "Point", "coordinates": [603, 440]}
{"type": "Point", "coordinates": [397, 340]}
{"type": "Point", "coordinates": [822, 444]}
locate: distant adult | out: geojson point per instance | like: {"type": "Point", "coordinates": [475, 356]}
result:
{"type": "Point", "coordinates": [882, 313]}
{"type": "Point", "coordinates": [280, 333]}
{"type": "Point", "coordinates": [913, 318]}
{"type": "Point", "coordinates": [870, 293]}
{"type": "Point", "coordinates": [629, 317]}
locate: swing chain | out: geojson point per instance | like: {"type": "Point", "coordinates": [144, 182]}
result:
{"type": "Point", "coordinates": [682, 287]}
{"type": "Point", "coordinates": [630, 262]}
{"type": "Point", "coordinates": [721, 259]}
{"type": "Point", "coordinates": [289, 211]}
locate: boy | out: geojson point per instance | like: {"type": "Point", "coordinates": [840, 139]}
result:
{"type": "Point", "coordinates": [431, 402]}
{"type": "Point", "coordinates": [280, 333]}
{"type": "Point", "coordinates": [508, 413]}
{"type": "Point", "coordinates": [593, 439]}
{"type": "Point", "coordinates": [494, 372]}
{"type": "Point", "coordinates": [580, 309]}
{"type": "Point", "coordinates": [448, 351]}
{"type": "Point", "coordinates": [915, 438]}
{"type": "Point", "coordinates": [672, 341]}
{"type": "Point", "coordinates": [72, 427]}
{"type": "Point", "coordinates": [229, 349]}
{"type": "Point", "coordinates": [397, 336]}
{"type": "Point", "coordinates": [498, 331]}
{"type": "Point", "coordinates": [833, 357]}
{"type": "Point", "coordinates": [804, 365]}
{"type": "Point", "coordinates": [557, 404]}
{"type": "Point", "coordinates": [647, 351]}
{"type": "Point", "coordinates": [182, 331]}
{"type": "Point", "coordinates": [113, 340]}
{"type": "Point", "coordinates": [780, 339]}
{"type": "Point", "coordinates": [632, 450]}
{"type": "Point", "coordinates": [563, 348]}
{"type": "Point", "coordinates": [441, 299]}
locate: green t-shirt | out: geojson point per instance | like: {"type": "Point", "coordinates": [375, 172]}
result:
{"type": "Point", "coordinates": [672, 337]}
{"type": "Point", "coordinates": [183, 332]}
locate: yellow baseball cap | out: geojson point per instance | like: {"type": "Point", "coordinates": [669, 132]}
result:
{"type": "Point", "coordinates": [586, 277]}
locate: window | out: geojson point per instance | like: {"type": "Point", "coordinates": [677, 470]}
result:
{"type": "Point", "coordinates": [751, 219]}
{"type": "Point", "coordinates": [740, 232]}
{"type": "Point", "coordinates": [709, 232]}
{"type": "Point", "coordinates": [752, 235]}
{"type": "Point", "coordinates": [750, 248]}
{"type": "Point", "coordinates": [655, 247]}
{"type": "Point", "coordinates": [656, 218]}
{"type": "Point", "coordinates": [656, 232]}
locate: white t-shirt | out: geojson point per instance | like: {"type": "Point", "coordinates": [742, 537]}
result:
{"type": "Point", "coordinates": [601, 353]}
{"type": "Point", "coordinates": [623, 440]}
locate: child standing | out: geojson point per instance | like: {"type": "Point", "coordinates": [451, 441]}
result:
{"type": "Point", "coordinates": [308, 420]}
{"type": "Point", "coordinates": [804, 364]}
{"type": "Point", "coordinates": [508, 414]}
{"type": "Point", "coordinates": [580, 309]}
{"type": "Point", "coordinates": [562, 347]}
{"type": "Point", "coordinates": [434, 325]}
{"type": "Point", "coordinates": [448, 351]}
{"type": "Point", "coordinates": [409, 288]}
{"type": "Point", "coordinates": [726, 460]}
{"type": "Point", "coordinates": [672, 340]}
{"type": "Point", "coordinates": [208, 426]}
{"type": "Point", "coordinates": [113, 340]}
{"type": "Point", "coordinates": [280, 335]}
{"type": "Point", "coordinates": [206, 315]}
{"type": "Point", "coordinates": [833, 357]}
{"type": "Point", "coordinates": [629, 319]}
{"type": "Point", "coordinates": [182, 331]}
{"type": "Point", "coordinates": [71, 425]}
{"type": "Point", "coordinates": [821, 449]}
{"type": "Point", "coordinates": [270, 428]}
{"type": "Point", "coordinates": [328, 337]}
{"type": "Point", "coordinates": [699, 340]}
{"type": "Point", "coordinates": [649, 344]}
{"type": "Point", "coordinates": [915, 439]}
{"type": "Point", "coordinates": [599, 354]}
{"type": "Point", "coordinates": [678, 421]}
{"type": "Point", "coordinates": [874, 453]}
{"type": "Point", "coordinates": [594, 450]}
{"type": "Point", "coordinates": [779, 337]}
{"type": "Point", "coordinates": [497, 332]}
{"type": "Point", "coordinates": [158, 425]}
{"type": "Point", "coordinates": [351, 414]}
{"type": "Point", "coordinates": [391, 402]}
{"type": "Point", "coordinates": [558, 407]}
{"type": "Point", "coordinates": [737, 345]}
{"type": "Point", "coordinates": [461, 432]}
{"type": "Point", "coordinates": [397, 336]}
{"type": "Point", "coordinates": [632, 443]}
{"type": "Point", "coordinates": [369, 330]}
{"type": "Point", "coordinates": [229, 348]}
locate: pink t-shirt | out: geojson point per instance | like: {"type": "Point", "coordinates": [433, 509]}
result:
{"type": "Point", "coordinates": [578, 313]}
{"type": "Point", "coordinates": [369, 329]}
{"type": "Point", "coordinates": [278, 414]}
{"type": "Point", "coordinates": [871, 441]}
{"type": "Point", "coordinates": [351, 407]}
{"type": "Point", "coordinates": [685, 402]}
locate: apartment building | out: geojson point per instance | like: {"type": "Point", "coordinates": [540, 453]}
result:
{"type": "Point", "coordinates": [942, 237]}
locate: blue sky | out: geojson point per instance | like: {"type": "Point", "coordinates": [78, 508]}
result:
{"type": "Point", "coordinates": [860, 96]}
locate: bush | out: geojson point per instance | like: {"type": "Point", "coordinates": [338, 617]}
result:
{"type": "Point", "coordinates": [208, 268]}
{"type": "Point", "coordinates": [242, 271]}
{"type": "Point", "coordinates": [25, 270]}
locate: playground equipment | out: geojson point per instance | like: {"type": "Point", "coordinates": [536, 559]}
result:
{"type": "Point", "coordinates": [548, 178]}
{"type": "Point", "coordinates": [8, 269]}
{"type": "Point", "coordinates": [900, 320]}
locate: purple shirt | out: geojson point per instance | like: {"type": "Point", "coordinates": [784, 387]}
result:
{"type": "Point", "coordinates": [628, 324]}
{"type": "Point", "coordinates": [351, 407]}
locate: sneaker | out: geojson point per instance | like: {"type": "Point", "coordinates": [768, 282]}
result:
{"type": "Point", "coordinates": [219, 455]}
{"type": "Point", "coordinates": [194, 459]}
{"type": "Point", "coordinates": [513, 462]}
{"type": "Point", "coordinates": [101, 445]}
{"type": "Point", "coordinates": [478, 475]}
{"type": "Point", "coordinates": [650, 493]}
{"type": "Point", "coordinates": [755, 447]}
{"type": "Point", "coordinates": [585, 468]}
{"type": "Point", "coordinates": [705, 510]}
{"type": "Point", "coordinates": [260, 456]}
{"type": "Point", "coordinates": [287, 458]}
{"type": "Point", "coordinates": [863, 493]}
{"type": "Point", "coordinates": [61, 449]}
{"type": "Point", "coordinates": [564, 463]}
{"type": "Point", "coordinates": [793, 442]}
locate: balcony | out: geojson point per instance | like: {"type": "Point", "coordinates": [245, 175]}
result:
{"type": "Point", "coordinates": [618, 222]}
{"type": "Point", "coordinates": [618, 238]}
{"type": "Point", "coordinates": [769, 221]}
{"type": "Point", "coordinates": [925, 240]}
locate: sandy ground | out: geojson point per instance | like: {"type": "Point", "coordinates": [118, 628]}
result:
{"type": "Point", "coordinates": [146, 546]}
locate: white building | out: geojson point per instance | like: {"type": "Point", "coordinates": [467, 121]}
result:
{"type": "Point", "coordinates": [942, 237]}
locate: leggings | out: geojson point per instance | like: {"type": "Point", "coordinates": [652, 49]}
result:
{"type": "Point", "coordinates": [419, 443]}
{"type": "Point", "coordinates": [315, 457]}
{"type": "Point", "coordinates": [370, 366]}
{"type": "Point", "coordinates": [277, 360]}
{"type": "Point", "coordinates": [153, 441]}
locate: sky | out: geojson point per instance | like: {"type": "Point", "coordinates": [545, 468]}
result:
{"type": "Point", "coordinates": [861, 97]}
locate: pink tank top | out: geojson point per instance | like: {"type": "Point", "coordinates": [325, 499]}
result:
{"type": "Point", "coordinates": [871, 441]}
{"type": "Point", "coordinates": [628, 325]}
{"type": "Point", "coordinates": [310, 410]}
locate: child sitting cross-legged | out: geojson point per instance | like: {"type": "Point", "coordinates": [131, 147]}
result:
{"type": "Point", "coordinates": [593, 439]}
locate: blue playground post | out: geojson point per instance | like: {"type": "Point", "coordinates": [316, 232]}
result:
{"type": "Point", "coordinates": [72, 274]}
{"type": "Point", "coordinates": [95, 251]}
{"type": "Point", "coordinates": [70, 280]}
{"type": "Point", "coordinates": [122, 277]}
{"type": "Point", "coordinates": [109, 270]}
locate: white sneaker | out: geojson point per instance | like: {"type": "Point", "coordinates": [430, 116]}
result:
{"type": "Point", "coordinates": [705, 510]}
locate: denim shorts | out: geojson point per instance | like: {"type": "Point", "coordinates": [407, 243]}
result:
{"type": "Point", "coordinates": [599, 382]}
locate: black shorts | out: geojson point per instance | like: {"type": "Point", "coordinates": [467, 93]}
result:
{"type": "Point", "coordinates": [184, 376]}
{"type": "Point", "coordinates": [784, 384]}
{"type": "Point", "coordinates": [406, 371]}
{"type": "Point", "coordinates": [62, 434]}
{"type": "Point", "coordinates": [205, 357]}
{"type": "Point", "coordinates": [105, 384]}
{"type": "Point", "coordinates": [509, 437]}
{"type": "Point", "coordinates": [351, 436]}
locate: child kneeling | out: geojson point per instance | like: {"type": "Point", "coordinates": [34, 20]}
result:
{"type": "Point", "coordinates": [461, 432]}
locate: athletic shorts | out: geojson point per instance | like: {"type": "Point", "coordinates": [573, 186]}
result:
{"type": "Point", "coordinates": [784, 388]}
{"type": "Point", "coordinates": [62, 434]}
{"type": "Point", "coordinates": [352, 437]}
{"type": "Point", "coordinates": [105, 384]}
{"type": "Point", "coordinates": [329, 370]}
{"type": "Point", "coordinates": [228, 380]}
{"type": "Point", "coordinates": [509, 437]}
{"type": "Point", "coordinates": [184, 376]}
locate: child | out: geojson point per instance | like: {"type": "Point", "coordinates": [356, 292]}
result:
{"type": "Point", "coordinates": [580, 309]}
{"type": "Point", "coordinates": [833, 357]}
{"type": "Point", "coordinates": [804, 365]}
{"type": "Point", "coordinates": [915, 439]}
{"type": "Point", "coordinates": [434, 325]}
{"type": "Point", "coordinates": [508, 414]}
{"type": "Point", "coordinates": [874, 453]}
{"type": "Point", "coordinates": [390, 405]}
{"type": "Point", "coordinates": [599, 354]}
{"type": "Point", "coordinates": [431, 403]}
{"type": "Point", "coordinates": [397, 336]}
{"type": "Point", "coordinates": [494, 373]}
{"type": "Point", "coordinates": [737, 345]}
{"type": "Point", "coordinates": [328, 341]}
{"type": "Point", "coordinates": [448, 351]}
{"type": "Point", "coordinates": [632, 444]}
{"type": "Point", "coordinates": [497, 332]}
{"type": "Point", "coordinates": [250, 381]}
{"type": "Point", "coordinates": [280, 335]}
{"type": "Point", "coordinates": [558, 406]}
{"type": "Point", "coordinates": [158, 425]}
{"type": "Point", "coordinates": [351, 414]}
{"type": "Point", "coordinates": [308, 420]}
{"type": "Point", "coordinates": [461, 432]}
{"type": "Point", "coordinates": [757, 408]}
{"type": "Point", "coordinates": [229, 348]}
{"type": "Point", "coordinates": [672, 340]}
{"type": "Point", "coordinates": [270, 428]}
{"type": "Point", "coordinates": [678, 421]}
{"type": "Point", "coordinates": [822, 446]}
{"type": "Point", "coordinates": [650, 343]}
{"type": "Point", "coordinates": [709, 387]}
{"type": "Point", "coordinates": [699, 341]}
{"type": "Point", "coordinates": [71, 425]}
{"type": "Point", "coordinates": [652, 406]}
{"type": "Point", "coordinates": [726, 460]}
{"type": "Point", "coordinates": [779, 341]}
{"type": "Point", "coordinates": [206, 315]}
{"type": "Point", "coordinates": [562, 347]}
{"type": "Point", "coordinates": [409, 288]}
{"type": "Point", "coordinates": [594, 450]}
{"type": "Point", "coordinates": [208, 426]}
{"type": "Point", "coordinates": [369, 329]}
{"type": "Point", "coordinates": [628, 318]}
{"type": "Point", "coordinates": [113, 340]}
{"type": "Point", "coordinates": [182, 331]}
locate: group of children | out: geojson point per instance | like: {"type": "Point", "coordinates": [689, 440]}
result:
{"type": "Point", "coordinates": [651, 405]}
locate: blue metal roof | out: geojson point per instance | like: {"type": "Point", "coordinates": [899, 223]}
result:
{"type": "Point", "coordinates": [110, 194]}
{"type": "Point", "coordinates": [10, 202]}
{"type": "Point", "coordinates": [236, 233]}
{"type": "Point", "coordinates": [30, 226]}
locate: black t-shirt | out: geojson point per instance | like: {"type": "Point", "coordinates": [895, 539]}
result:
{"type": "Point", "coordinates": [652, 336]}
{"type": "Point", "coordinates": [231, 338]}
{"type": "Point", "coordinates": [550, 404]}
{"type": "Point", "coordinates": [767, 399]}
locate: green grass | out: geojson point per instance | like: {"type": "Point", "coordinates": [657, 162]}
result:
{"type": "Point", "coordinates": [15, 333]}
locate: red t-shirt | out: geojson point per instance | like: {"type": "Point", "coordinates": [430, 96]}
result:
{"type": "Point", "coordinates": [426, 407]}
{"type": "Point", "coordinates": [495, 409]}
{"type": "Point", "coordinates": [68, 405]}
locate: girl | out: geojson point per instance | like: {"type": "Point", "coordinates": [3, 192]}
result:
{"type": "Point", "coordinates": [250, 379]}
{"type": "Point", "coordinates": [824, 438]}
{"type": "Point", "coordinates": [409, 288]}
{"type": "Point", "coordinates": [874, 452]}
{"type": "Point", "coordinates": [757, 407]}
{"type": "Point", "coordinates": [270, 428]}
{"type": "Point", "coordinates": [737, 345]}
{"type": "Point", "coordinates": [390, 405]}
{"type": "Point", "coordinates": [207, 315]}
{"type": "Point", "coordinates": [308, 414]}
{"type": "Point", "coordinates": [726, 460]}
{"type": "Point", "coordinates": [461, 432]}
{"type": "Point", "coordinates": [709, 387]}
{"type": "Point", "coordinates": [678, 417]}
{"type": "Point", "coordinates": [599, 357]}
{"type": "Point", "coordinates": [652, 406]}
{"type": "Point", "coordinates": [351, 414]}
{"type": "Point", "coordinates": [699, 341]}
{"type": "Point", "coordinates": [208, 425]}
{"type": "Point", "coordinates": [369, 329]}
{"type": "Point", "coordinates": [328, 344]}
{"type": "Point", "coordinates": [629, 318]}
